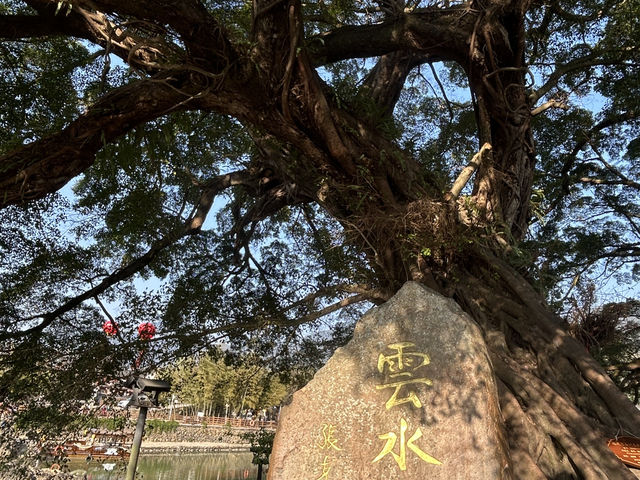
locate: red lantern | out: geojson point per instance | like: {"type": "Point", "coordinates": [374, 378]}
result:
{"type": "Point", "coordinates": [146, 330]}
{"type": "Point", "coordinates": [110, 328]}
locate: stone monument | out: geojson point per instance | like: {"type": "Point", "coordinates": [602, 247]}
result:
{"type": "Point", "coordinates": [411, 396]}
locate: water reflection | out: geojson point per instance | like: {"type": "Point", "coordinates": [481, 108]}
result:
{"type": "Point", "coordinates": [211, 466]}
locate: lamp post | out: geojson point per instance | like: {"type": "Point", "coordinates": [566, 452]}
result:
{"type": "Point", "coordinates": [173, 401]}
{"type": "Point", "coordinates": [145, 396]}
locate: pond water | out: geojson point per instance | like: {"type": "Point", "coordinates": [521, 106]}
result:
{"type": "Point", "coordinates": [210, 466]}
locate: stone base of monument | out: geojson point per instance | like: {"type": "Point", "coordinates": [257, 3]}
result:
{"type": "Point", "coordinates": [411, 396]}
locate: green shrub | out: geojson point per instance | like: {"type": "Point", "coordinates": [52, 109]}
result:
{"type": "Point", "coordinates": [83, 422]}
{"type": "Point", "coordinates": [161, 426]}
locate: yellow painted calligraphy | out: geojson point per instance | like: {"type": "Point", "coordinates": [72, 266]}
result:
{"type": "Point", "coordinates": [400, 368]}
{"type": "Point", "coordinates": [401, 459]}
{"type": "Point", "coordinates": [328, 438]}
{"type": "Point", "coordinates": [328, 442]}
{"type": "Point", "coordinates": [326, 466]}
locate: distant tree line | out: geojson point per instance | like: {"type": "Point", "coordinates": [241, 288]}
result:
{"type": "Point", "coordinates": [219, 384]}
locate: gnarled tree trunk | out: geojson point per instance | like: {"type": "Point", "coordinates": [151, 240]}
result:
{"type": "Point", "coordinates": [559, 406]}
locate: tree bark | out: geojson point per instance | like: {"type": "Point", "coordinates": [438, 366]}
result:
{"type": "Point", "coordinates": [559, 406]}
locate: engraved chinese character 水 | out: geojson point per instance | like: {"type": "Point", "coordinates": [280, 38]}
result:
{"type": "Point", "coordinates": [401, 458]}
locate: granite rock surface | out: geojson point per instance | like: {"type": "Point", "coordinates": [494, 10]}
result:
{"type": "Point", "coordinates": [411, 396]}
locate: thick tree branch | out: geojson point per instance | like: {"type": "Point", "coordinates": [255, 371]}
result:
{"type": "Point", "coordinates": [16, 27]}
{"type": "Point", "coordinates": [205, 40]}
{"type": "Point", "coordinates": [33, 170]}
{"type": "Point", "coordinates": [80, 22]}
{"type": "Point", "coordinates": [553, 103]}
{"type": "Point", "coordinates": [384, 83]}
{"type": "Point", "coordinates": [201, 33]}
{"type": "Point", "coordinates": [46, 165]}
{"type": "Point", "coordinates": [442, 33]}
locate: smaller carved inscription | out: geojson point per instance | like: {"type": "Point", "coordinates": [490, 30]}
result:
{"type": "Point", "coordinates": [328, 437]}
{"type": "Point", "coordinates": [328, 442]}
{"type": "Point", "coordinates": [326, 468]}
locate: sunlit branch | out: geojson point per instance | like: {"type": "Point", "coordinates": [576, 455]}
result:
{"type": "Point", "coordinates": [372, 294]}
{"type": "Point", "coordinates": [616, 252]}
{"type": "Point", "coordinates": [588, 61]}
{"type": "Point", "coordinates": [623, 178]}
{"type": "Point", "coordinates": [601, 181]}
{"type": "Point", "coordinates": [553, 103]}
{"type": "Point", "coordinates": [585, 139]}
{"type": "Point", "coordinates": [621, 254]}
{"type": "Point", "coordinates": [464, 176]}
{"type": "Point", "coordinates": [259, 322]}
{"type": "Point", "coordinates": [633, 365]}
{"type": "Point", "coordinates": [359, 298]}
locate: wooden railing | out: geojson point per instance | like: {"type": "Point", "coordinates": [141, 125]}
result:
{"type": "Point", "coordinates": [214, 421]}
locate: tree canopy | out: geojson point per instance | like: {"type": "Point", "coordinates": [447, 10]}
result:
{"type": "Point", "coordinates": [259, 173]}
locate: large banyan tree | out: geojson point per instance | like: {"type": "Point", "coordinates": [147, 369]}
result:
{"type": "Point", "coordinates": [254, 167]}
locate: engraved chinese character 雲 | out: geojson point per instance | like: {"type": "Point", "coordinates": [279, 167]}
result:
{"type": "Point", "coordinates": [400, 369]}
{"type": "Point", "coordinates": [401, 459]}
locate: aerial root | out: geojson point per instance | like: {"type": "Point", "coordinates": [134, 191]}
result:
{"type": "Point", "coordinates": [558, 404]}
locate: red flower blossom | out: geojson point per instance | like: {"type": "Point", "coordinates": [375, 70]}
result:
{"type": "Point", "coordinates": [110, 328]}
{"type": "Point", "coordinates": [146, 330]}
